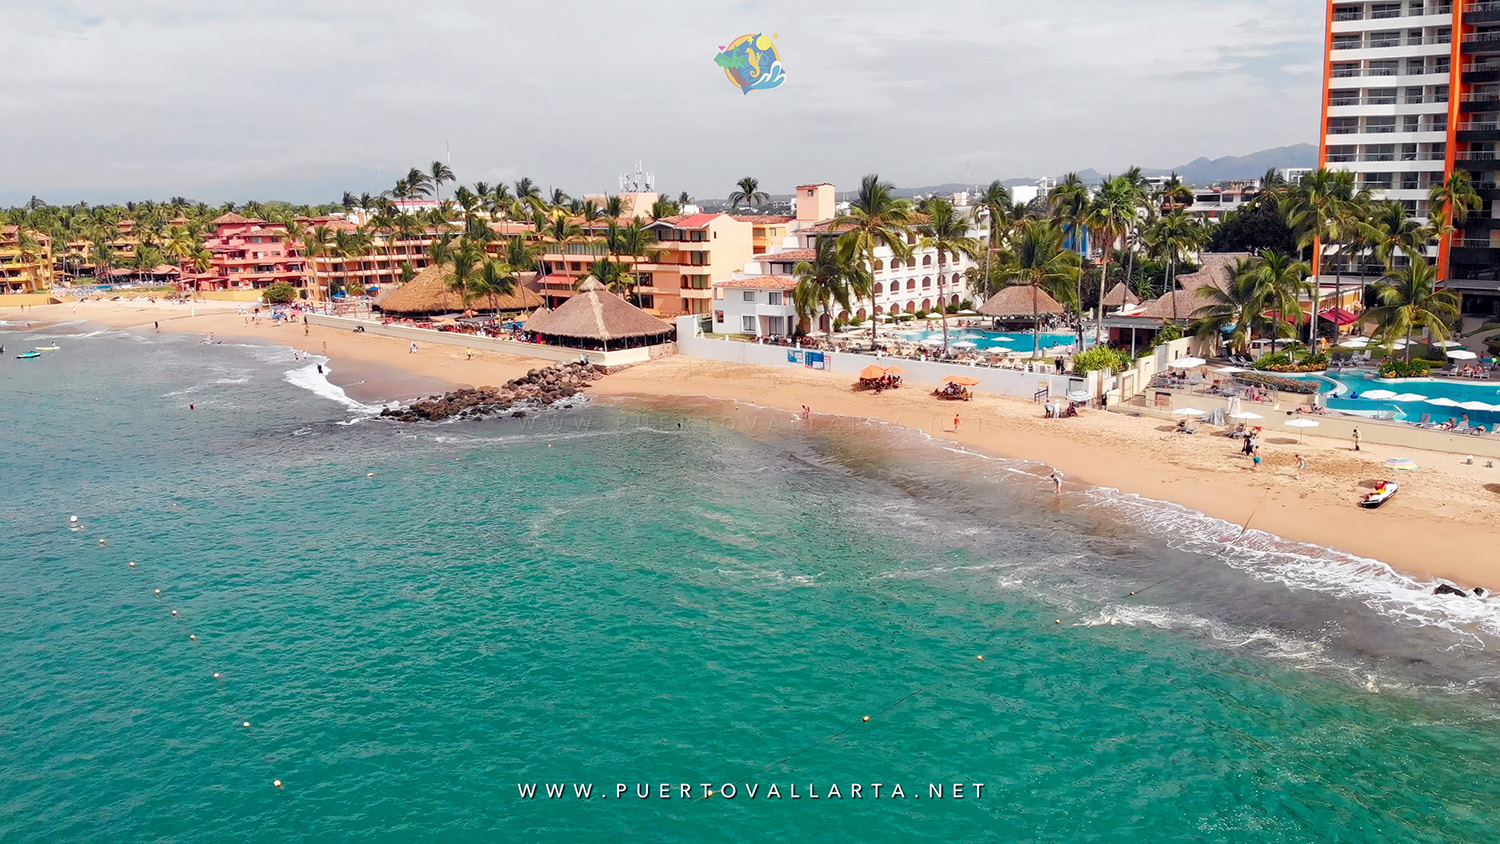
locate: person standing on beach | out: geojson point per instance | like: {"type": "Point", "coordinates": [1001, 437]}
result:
{"type": "Point", "coordinates": [955, 423]}
{"type": "Point", "coordinates": [157, 326]}
{"type": "Point", "coordinates": [468, 354]}
{"type": "Point", "coordinates": [1255, 456]}
{"type": "Point", "coordinates": [325, 347]}
{"type": "Point", "coordinates": [1056, 484]}
{"type": "Point", "coordinates": [1357, 438]}
{"type": "Point", "coordinates": [413, 347]}
{"type": "Point", "coordinates": [1301, 464]}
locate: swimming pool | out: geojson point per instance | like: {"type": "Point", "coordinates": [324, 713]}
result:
{"type": "Point", "coordinates": [1015, 341]}
{"type": "Point", "coordinates": [1440, 399]}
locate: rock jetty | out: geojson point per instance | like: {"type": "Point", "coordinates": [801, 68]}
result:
{"type": "Point", "coordinates": [537, 388]}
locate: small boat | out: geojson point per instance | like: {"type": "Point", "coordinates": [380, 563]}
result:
{"type": "Point", "coordinates": [28, 355]}
{"type": "Point", "coordinates": [1383, 492]}
{"type": "Point", "coordinates": [47, 348]}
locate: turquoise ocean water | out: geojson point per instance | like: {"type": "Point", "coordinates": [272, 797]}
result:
{"type": "Point", "coordinates": [645, 594]}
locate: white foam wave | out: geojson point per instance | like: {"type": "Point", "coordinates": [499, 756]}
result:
{"type": "Point", "coordinates": [309, 378]}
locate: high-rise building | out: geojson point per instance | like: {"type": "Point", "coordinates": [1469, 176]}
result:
{"type": "Point", "coordinates": [1411, 94]}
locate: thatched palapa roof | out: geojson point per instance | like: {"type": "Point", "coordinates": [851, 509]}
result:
{"type": "Point", "coordinates": [1180, 304]}
{"type": "Point", "coordinates": [428, 293]}
{"type": "Point", "coordinates": [594, 313]}
{"type": "Point", "coordinates": [1020, 300]}
{"type": "Point", "coordinates": [1120, 296]}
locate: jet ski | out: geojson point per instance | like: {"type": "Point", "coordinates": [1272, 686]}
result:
{"type": "Point", "coordinates": [28, 355]}
{"type": "Point", "coordinates": [1383, 492]}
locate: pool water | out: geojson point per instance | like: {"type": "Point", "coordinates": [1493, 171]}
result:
{"type": "Point", "coordinates": [1340, 390]}
{"type": "Point", "coordinates": [1016, 341]}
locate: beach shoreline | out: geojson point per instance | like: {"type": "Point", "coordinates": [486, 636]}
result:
{"type": "Point", "coordinates": [1439, 527]}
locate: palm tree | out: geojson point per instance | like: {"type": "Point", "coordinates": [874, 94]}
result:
{"type": "Point", "coordinates": [1283, 280]}
{"type": "Point", "coordinates": [1173, 195]}
{"type": "Point", "coordinates": [521, 254]}
{"type": "Point", "coordinates": [1238, 307]}
{"type": "Point", "coordinates": [495, 279]}
{"type": "Point", "coordinates": [1036, 257]}
{"type": "Point", "coordinates": [437, 173]}
{"type": "Point", "coordinates": [875, 218]}
{"type": "Point", "coordinates": [1173, 237]}
{"type": "Point", "coordinates": [663, 208]}
{"type": "Point", "coordinates": [1327, 211]}
{"type": "Point", "coordinates": [1392, 232]}
{"type": "Point", "coordinates": [948, 233]}
{"type": "Point", "coordinates": [1070, 203]}
{"type": "Point", "coordinates": [747, 192]}
{"type": "Point", "coordinates": [182, 245]}
{"type": "Point", "coordinates": [1110, 215]}
{"type": "Point", "coordinates": [1452, 200]}
{"type": "Point", "coordinates": [614, 275]}
{"type": "Point", "coordinates": [995, 202]}
{"type": "Point", "coordinates": [466, 261]}
{"type": "Point", "coordinates": [821, 282]}
{"type": "Point", "coordinates": [1409, 299]}
{"type": "Point", "coordinates": [419, 183]}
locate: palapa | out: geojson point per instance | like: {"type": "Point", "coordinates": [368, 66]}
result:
{"type": "Point", "coordinates": [430, 293]}
{"type": "Point", "coordinates": [1019, 300]}
{"type": "Point", "coordinates": [1119, 296]}
{"type": "Point", "coordinates": [594, 313]}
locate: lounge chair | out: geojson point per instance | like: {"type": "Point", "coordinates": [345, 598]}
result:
{"type": "Point", "coordinates": [1425, 421]}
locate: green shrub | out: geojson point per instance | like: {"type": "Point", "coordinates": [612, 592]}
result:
{"type": "Point", "coordinates": [1100, 357]}
{"type": "Point", "coordinates": [1285, 385]}
{"type": "Point", "coordinates": [280, 293]}
{"type": "Point", "coordinates": [1295, 359]}
{"type": "Point", "coordinates": [1417, 368]}
{"type": "Point", "coordinates": [1169, 331]}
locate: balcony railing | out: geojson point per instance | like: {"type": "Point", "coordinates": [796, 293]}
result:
{"type": "Point", "coordinates": [1483, 96]}
{"type": "Point", "coordinates": [1387, 14]}
{"type": "Point", "coordinates": [1476, 156]}
{"type": "Point", "coordinates": [1479, 126]}
{"type": "Point", "coordinates": [1379, 43]}
{"type": "Point", "coordinates": [1481, 7]}
{"type": "Point", "coordinates": [1474, 243]}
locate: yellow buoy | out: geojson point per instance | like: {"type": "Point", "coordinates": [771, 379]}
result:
{"type": "Point", "coordinates": [1058, 621]}
{"type": "Point", "coordinates": [867, 717]}
{"type": "Point", "coordinates": [980, 657]}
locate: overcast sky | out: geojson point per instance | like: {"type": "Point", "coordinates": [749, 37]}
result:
{"type": "Point", "coordinates": [303, 99]}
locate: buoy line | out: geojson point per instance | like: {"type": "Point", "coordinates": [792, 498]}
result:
{"type": "Point", "coordinates": [236, 706]}
{"type": "Point", "coordinates": [1244, 529]}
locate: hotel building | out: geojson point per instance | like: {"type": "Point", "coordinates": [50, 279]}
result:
{"type": "Point", "coordinates": [250, 254]}
{"type": "Point", "coordinates": [1411, 94]}
{"type": "Point", "coordinates": [27, 271]}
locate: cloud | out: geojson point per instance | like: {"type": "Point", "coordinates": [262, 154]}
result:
{"type": "Point", "coordinates": [302, 100]}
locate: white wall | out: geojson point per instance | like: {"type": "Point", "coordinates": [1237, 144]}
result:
{"type": "Point", "coordinates": [735, 307]}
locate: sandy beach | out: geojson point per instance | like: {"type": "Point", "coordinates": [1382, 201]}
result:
{"type": "Point", "coordinates": [1442, 524]}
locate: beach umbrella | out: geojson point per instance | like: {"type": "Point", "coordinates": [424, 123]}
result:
{"type": "Point", "coordinates": [1189, 411]}
{"type": "Point", "coordinates": [1229, 370]}
{"type": "Point", "coordinates": [1378, 395]}
{"type": "Point", "coordinates": [1355, 343]}
{"type": "Point", "coordinates": [1304, 424]}
{"type": "Point", "coordinates": [932, 341]}
{"type": "Point", "coordinates": [964, 344]}
{"type": "Point", "coordinates": [894, 370]}
{"type": "Point", "coordinates": [1408, 397]}
{"type": "Point", "coordinates": [1405, 464]}
{"type": "Point", "coordinates": [1476, 405]}
{"type": "Point", "coordinates": [1462, 354]}
{"type": "Point", "coordinates": [1245, 415]}
{"type": "Point", "coordinates": [961, 380]}
{"type": "Point", "coordinates": [1443, 402]}
{"type": "Point", "coordinates": [870, 373]}
{"type": "Point", "coordinates": [967, 312]}
{"type": "Point", "coordinates": [1448, 344]}
{"type": "Point", "coordinates": [1187, 363]}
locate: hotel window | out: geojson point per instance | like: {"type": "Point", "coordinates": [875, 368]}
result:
{"type": "Point", "coordinates": [926, 282]}
{"type": "Point", "coordinates": [1346, 41]}
{"type": "Point", "coordinates": [749, 296]}
{"type": "Point", "coordinates": [747, 324]}
{"type": "Point", "coordinates": [1383, 96]}
{"type": "Point", "coordinates": [1380, 125]}
{"type": "Point", "coordinates": [911, 284]}
{"type": "Point", "coordinates": [773, 298]}
{"type": "Point", "coordinates": [778, 325]}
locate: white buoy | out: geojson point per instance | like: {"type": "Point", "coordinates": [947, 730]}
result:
{"type": "Point", "coordinates": [276, 783]}
{"type": "Point", "coordinates": [132, 565]}
{"type": "Point", "coordinates": [192, 637]}
{"type": "Point", "coordinates": [158, 591]}
{"type": "Point", "coordinates": [174, 612]}
{"type": "Point", "coordinates": [247, 723]}
{"type": "Point", "coordinates": [216, 675]}
{"type": "Point", "coordinates": [369, 474]}
{"type": "Point", "coordinates": [101, 542]}
{"type": "Point", "coordinates": [72, 518]}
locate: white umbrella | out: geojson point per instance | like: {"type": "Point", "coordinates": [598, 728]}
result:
{"type": "Point", "coordinates": [1378, 395]}
{"type": "Point", "coordinates": [964, 344]}
{"type": "Point", "coordinates": [1303, 424]}
{"type": "Point", "coordinates": [1448, 344]}
{"type": "Point", "coordinates": [1476, 405]}
{"type": "Point", "coordinates": [1356, 343]}
{"type": "Point", "coordinates": [967, 312]}
{"type": "Point", "coordinates": [1229, 370]}
{"type": "Point", "coordinates": [1408, 397]}
{"type": "Point", "coordinates": [1245, 414]}
{"type": "Point", "coordinates": [1187, 363]}
{"type": "Point", "coordinates": [1189, 411]}
{"type": "Point", "coordinates": [1462, 354]}
{"type": "Point", "coordinates": [932, 341]}
{"type": "Point", "coordinates": [1443, 402]}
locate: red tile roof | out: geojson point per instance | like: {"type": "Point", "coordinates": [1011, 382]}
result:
{"type": "Point", "coordinates": [762, 282]}
{"type": "Point", "coordinates": [815, 185]}
{"type": "Point", "coordinates": [826, 227]}
{"type": "Point", "coordinates": [791, 255]}
{"type": "Point", "coordinates": [230, 219]}
{"type": "Point", "coordinates": [764, 219]}
{"type": "Point", "coordinates": [692, 221]}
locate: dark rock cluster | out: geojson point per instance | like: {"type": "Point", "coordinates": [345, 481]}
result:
{"type": "Point", "coordinates": [537, 388]}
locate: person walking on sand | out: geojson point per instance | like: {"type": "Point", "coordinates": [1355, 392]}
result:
{"type": "Point", "coordinates": [413, 347]}
{"type": "Point", "coordinates": [325, 347]}
{"type": "Point", "coordinates": [157, 326]}
{"type": "Point", "coordinates": [468, 354]}
{"type": "Point", "coordinates": [1255, 456]}
{"type": "Point", "coordinates": [1301, 464]}
{"type": "Point", "coordinates": [1357, 438]}
{"type": "Point", "coordinates": [1056, 484]}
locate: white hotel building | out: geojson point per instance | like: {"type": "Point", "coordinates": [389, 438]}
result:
{"type": "Point", "coordinates": [759, 297]}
